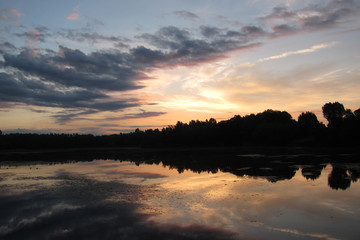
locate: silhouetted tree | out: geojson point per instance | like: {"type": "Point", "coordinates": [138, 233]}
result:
{"type": "Point", "coordinates": [267, 128]}
{"type": "Point", "coordinates": [308, 120]}
{"type": "Point", "coordinates": [310, 127]}
{"type": "Point", "coordinates": [357, 113]}
{"type": "Point", "coordinates": [348, 114]}
{"type": "Point", "coordinates": [273, 128]}
{"type": "Point", "coordinates": [334, 113]}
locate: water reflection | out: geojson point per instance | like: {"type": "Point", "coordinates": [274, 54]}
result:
{"type": "Point", "coordinates": [312, 172]}
{"type": "Point", "coordinates": [342, 175]}
{"type": "Point", "coordinates": [181, 195]}
{"type": "Point", "coordinates": [345, 168]}
{"type": "Point", "coordinates": [82, 209]}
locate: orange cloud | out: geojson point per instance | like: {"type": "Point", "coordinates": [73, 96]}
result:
{"type": "Point", "coordinates": [10, 15]}
{"type": "Point", "coordinates": [74, 15]}
{"type": "Point", "coordinates": [15, 12]}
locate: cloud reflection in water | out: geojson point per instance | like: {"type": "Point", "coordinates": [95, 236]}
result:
{"type": "Point", "coordinates": [82, 208]}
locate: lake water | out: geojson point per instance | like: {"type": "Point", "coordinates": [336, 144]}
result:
{"type": "Point", "coordinates": [182, 196]}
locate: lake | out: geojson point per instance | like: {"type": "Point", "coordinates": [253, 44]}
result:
{"type": "Point", "coordinates": [180, 195]}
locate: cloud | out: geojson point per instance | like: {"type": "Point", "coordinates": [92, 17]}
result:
{"type": "Point", "coordinates": [108, 125]}
{"type": "Point", "coordinates": [80, 83]}
{"type": "Point", "coordinates": [84, 83]}
{"type": "Point", "coordinates": [303, 51]}
{"type": "Point", "coordinates": [73, 68]}
{"type": "Point", "coordinates": [179, 47]}
{"type": "Point", "coordinates": [36, 35]}
{"type": "Point", "coordinates": [92, 37]}
{"type": "Point", "coordinates": [10, 15]}
{"type": "Point", "coordinates": [284, 20]}
{"type": "Point", "coordinates": [6, 47]}
{"type": "Point", "coordinates": [73, 80]}
{"type": "Point", "coordinates": [18, 88]}
{"type": "Point", "coordinates": [75, 14]}
{"type": "Point", "coordinates": [21, 90]}
{"type": "Point", "coordinates": [186, 15]}
{"type": "Point", "coordinates": [313, 85]}
{"type": "Point", "coordinates": [209, 32]}
{"type": "Point", "coordinates": [143, 114]}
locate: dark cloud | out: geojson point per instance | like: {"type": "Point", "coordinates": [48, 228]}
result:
{"type": "Point", "coordinates": [143, 114]}
{"type": "Point", "coordinates": [169, 37]}
{"type": "Point", "coordinates": [280, 12]}
{"type": "Point", "coordinates": [36, 35]}
{"type": "Point", "coordinates": [91, 37]}
{"type": "Point", "coordinates": [181, 48]}
{"type": "Point", "coordinates": [313, 17]}
{"type": "Point", "coordinates": [146, 57]}
{"type": "Point", "coordinates": [121, 45]}
{"type": "Point", "coordinates": [38, 110]}
{"type": "Point", "coordinates": [108, 125]}
{"type": "Point", "coordinates": [327, 19]}
{"type": "Point", "coordinates": [210, 32]}
{"type": "Point", "coordinates": [186, 15]}
{"type": "Point", "coordinates": [66, 116]}
{"type": "Point", "coordinates": [253, 31]}
{"type": "Point", "coordinates": [6, 47]}
{"type": "Point", "coordinates": [73, 68]}
{"type": "Point", "coordinates": [283, 30]}
{"type": "Point", "coordinates": [19, 89]}
{"type": "Point", "coordinates": [242, 36]}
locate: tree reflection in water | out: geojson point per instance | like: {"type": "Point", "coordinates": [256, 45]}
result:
{"type": "Point", "coordinates": [272, 167]}
{"type": "Point", "coordinates": [342, 176]}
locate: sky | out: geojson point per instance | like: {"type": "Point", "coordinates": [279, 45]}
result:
{"type": "Point", "coordinates": [105, 67]}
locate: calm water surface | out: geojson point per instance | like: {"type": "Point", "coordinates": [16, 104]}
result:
{"type": "Point", "coordinates": [112, 199]}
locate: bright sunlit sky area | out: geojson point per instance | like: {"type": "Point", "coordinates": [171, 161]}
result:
{"type": "Point", "coordinates": [109, 66]}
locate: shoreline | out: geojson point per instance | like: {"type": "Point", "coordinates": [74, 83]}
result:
{"type": "Point", "coordinates": [61, 154]}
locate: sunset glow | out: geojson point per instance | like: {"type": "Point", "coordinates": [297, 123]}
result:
{"type": "Point", "coordinates": [106, 67]}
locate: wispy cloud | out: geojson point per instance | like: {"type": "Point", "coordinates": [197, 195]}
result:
{"type": "Point", "coordinates": [91, 37]}
{"type": "Point", "coordinates": [10, 15]}
{"type": "Point", "coordinates": [75, 14]}
{"type": "Point", "coordinates": [298, 52]}
{"type": "Point", "coordinates": [186, 14]}
{"type": "Point", "coordinates": [36, 35]}
{"type": "Point", "coordinates": [142, 114]}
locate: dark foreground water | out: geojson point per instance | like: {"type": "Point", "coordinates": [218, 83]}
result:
{"type": "Point", "coordinates": [182, 196]}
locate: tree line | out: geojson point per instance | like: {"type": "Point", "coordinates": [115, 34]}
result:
{"type": "Point", "coordinates": [268, 128]}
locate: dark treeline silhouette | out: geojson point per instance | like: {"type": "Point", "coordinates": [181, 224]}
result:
{"type": "Point", "coordinates": [269, 128]}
